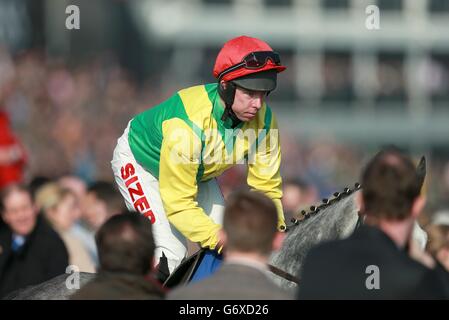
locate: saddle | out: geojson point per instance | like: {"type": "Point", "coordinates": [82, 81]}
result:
{"type": "Point", "coordinates": [184, 272]}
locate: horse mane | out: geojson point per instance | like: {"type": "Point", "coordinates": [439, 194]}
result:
{"type": "Point", "coordinates": [334, 218]}
{"type": "Point", "coordinates": [326, 203]}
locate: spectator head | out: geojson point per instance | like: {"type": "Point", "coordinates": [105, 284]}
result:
{"type": "Point", "coordinates": [250, 224]}
{"type": "Point", "coordinates": [297, 194]}
{"type": "Point", "coordinates": [17, 209]}
{"type": "Point", "coordinates": [125, 244]}
{"type": "Point", "coordinates": [391, 187]}
{"type": "Point", "coordinates": [36, 183]}
{"type": "Point", "coordinates": [102, 201]}
{"type": "Point", "coordinates": [59, 205]}
{"type": "Point", "coordinates": [438, 244]}
{"type": "Point", "coordinates": [75, 184]}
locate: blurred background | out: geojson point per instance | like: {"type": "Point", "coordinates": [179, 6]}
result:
{"type": "Point", "coordinates": [347, 91]}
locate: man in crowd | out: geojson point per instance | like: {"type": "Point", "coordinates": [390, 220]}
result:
{"type": "Point", "coordinates": [126, 250]}
{"type": "Point", "coordinates": [101, 201]}
{"type": "Point", "coordinates": [30, 251]}
{"type": "Point", "coordinates": [249, 235]}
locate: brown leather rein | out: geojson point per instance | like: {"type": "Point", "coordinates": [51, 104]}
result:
{"type": "Point", "coordinates": [283, 274]}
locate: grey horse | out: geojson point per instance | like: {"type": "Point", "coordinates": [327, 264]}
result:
{"type": "Point", "coordinates": [334, 218]}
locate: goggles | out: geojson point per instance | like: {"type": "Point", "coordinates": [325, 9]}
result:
{"type": "Point", "coordinates": [253, 61]}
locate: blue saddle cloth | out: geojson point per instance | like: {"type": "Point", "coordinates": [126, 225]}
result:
{"type": "Point", "coordinates": [210, 262]}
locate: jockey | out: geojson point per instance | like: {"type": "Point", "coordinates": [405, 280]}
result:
{"type": "Point", "coordinates": [168, 157]}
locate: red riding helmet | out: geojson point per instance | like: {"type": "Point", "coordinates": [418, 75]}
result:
{"type": "Point", "coordinates": [249, 62]}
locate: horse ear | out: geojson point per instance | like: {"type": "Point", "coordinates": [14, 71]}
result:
{"type": "Point", "coordinates": [421, 171]}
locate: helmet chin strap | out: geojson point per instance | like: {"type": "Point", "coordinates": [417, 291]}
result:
{"type": "Point", "coordinates": [228, 95]}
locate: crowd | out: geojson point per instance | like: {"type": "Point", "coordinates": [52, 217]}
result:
{"type": "Point", "coordinates": [50, 225]}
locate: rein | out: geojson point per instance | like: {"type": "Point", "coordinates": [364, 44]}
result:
{"type": "Point", "coordinates": [283, 274]}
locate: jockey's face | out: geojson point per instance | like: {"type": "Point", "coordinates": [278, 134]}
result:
{"type": "Point", "coordinates": [247, 103]}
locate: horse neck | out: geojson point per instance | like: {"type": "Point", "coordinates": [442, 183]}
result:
{"type": "Point", "coordinates": [335, 221]}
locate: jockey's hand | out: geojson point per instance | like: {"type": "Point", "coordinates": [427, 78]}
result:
{"type": "Point", "coordinates": [282, 228]}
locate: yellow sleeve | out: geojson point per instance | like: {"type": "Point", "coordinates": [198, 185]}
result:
{"type": "Point", "coordinates": [264, 169]}
{"type": "Point", "coordinates": [178, 168]}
